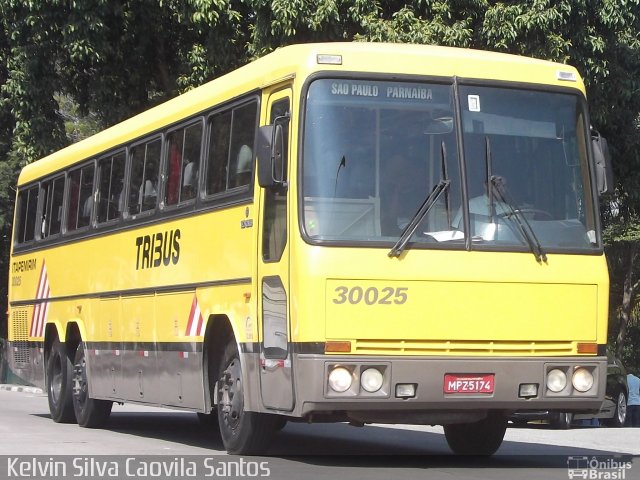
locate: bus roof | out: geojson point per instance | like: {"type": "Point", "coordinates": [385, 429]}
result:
{"type": "Point", "coordinates": [299, 61]}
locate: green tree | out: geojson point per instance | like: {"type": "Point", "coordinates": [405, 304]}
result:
{"type": "Point", "coordinates": [8, 173]}
{"type": "Point", "coordinates": [70, 68]}
{"type": "Point", "coordinates": [112, 59]}
{"type": "Point", "coordinates": [276, 23]}
{"type": "Point", "coordinates": [599, 37]}
{"type": "Point", "coordinates": [623, 254]}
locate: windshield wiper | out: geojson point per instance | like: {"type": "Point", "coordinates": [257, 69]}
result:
{"type": "Point", "coordinates": [441, 187]}
{"type": "Point", "coordinates": [422, 212]}
{"type": "Point", "coordinates": [445, 176]}
{"type": "Point", "coordinates": [521, 221]}
{"type": "Point", "coordinates": [342, 164]}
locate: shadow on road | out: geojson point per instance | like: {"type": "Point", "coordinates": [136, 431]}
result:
{"type": "Point", "coordinates": [339, 445]}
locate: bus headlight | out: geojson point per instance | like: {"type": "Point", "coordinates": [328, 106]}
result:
{"type": "Point", "coordinates": [582, 379]}
{"type": "Point", "coordinates": [556, 380]}
{"type": "Point", "coordinates": [371, 380]}
{"type": "Point", "coordinates": [340, 379]}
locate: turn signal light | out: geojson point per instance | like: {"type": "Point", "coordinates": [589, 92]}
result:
{"type": "Point", "coordinates": [591, 348]}
{"type": "Point", "coordinates": [337, 347]}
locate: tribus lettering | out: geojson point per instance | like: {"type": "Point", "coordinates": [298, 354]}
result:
{"type": "Point", "coordinates": [158, 249]}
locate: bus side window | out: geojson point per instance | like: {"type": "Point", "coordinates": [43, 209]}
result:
{"type": "Point", "coordinates": [86, 196]}
{"type": "Point", "coordinates": [110, 193]}
{"type": "Point", "coordinates": [151, 163]}
{"type": "Point", "coordinates": [183, 164]}
{"type": "Point", "coordinates": [231, 156]}
{"type": "Point", "coordinates": [137, 170]}
{"type": "Point", "coordinates": [27, 208]}
{"type": "Point", "coordinates": [176, 145]}
{"type": "Point", "coordinates": [80, 195]}
{"type": "Point", "coordinates": [143, 187]}
{"type": "Point", "coordinates": [243, 131]}
{"type": "Point", "coordinates": [53, 191]}
{"type": "Point", "coordinates": [191, 162]}
{"type": "Point", "coordinates": [218, 153]}
{"type": "Point", "coordinates": [73, 194]}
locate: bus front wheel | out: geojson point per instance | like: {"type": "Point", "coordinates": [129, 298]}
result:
{"type": "Point", "coordinates": [242, 432]}
{"type": "Point", "coordinates": [58, 383]}
{"type": "Point", "coordinates": [477, 438]}
{"type": "Point", "coordinates": [90, 412]}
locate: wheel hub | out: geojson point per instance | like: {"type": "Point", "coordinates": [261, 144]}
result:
{"type": "Point", "coordinates": [80, 382]}
{"type": "Point", "coordinates": [622, 409]}
{"type": "Point", "coordinates": [230, 393]}
{"type": "Point", "coordinates": [56, 379]}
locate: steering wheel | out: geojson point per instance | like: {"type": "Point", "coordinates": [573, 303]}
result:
{"type": "Point", "coordinates": [536, 213]}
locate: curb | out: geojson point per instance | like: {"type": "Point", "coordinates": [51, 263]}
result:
{"type": "Point", "coordinates": [21, 388]}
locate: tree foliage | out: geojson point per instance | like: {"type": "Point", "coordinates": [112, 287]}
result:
{"type": "Point", "coordinates": [62, 62]}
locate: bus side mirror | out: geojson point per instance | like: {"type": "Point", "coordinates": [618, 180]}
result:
{"type": "Point", "coordinates": [602, 157]}
{"type": "Point", "coordinates": [271, 154]}
{"type": "Point", "coordinates": [265, 165]}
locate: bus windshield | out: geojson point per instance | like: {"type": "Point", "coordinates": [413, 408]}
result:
{"type": "Point", "coordinates": [375, 150]}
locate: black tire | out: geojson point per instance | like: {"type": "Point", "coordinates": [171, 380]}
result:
{"type": "Point", "coordinates": [620, 413]}
{"type": "Point", "coordinates": [242, 432]}
{"type": "Point", "coordinates": [561, 420]}
{"type": "Point", "coordinates": [59, 372]}
{"type": "Point", "coordinates": [477, 438]}
{"type": "Point", "coordinates": [90, 412]}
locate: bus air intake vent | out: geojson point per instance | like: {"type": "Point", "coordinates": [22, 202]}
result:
{"type": "Point", "coordinates": [19, 325]}
{"type": "Point", "coordinates": [463, 347]}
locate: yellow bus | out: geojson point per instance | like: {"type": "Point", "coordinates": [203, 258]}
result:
{"type": "Point", "coordinates": [341, 232]}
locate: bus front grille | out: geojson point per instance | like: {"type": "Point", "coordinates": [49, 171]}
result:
{"type": "Point", "coordinates": [464, 347]}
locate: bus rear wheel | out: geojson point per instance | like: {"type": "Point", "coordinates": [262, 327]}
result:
{"type": "Point", "coordinates": [90, 413]}
{"type": "Point", "coordinates": [477, 438]}
{"type": "Point", "coordinates": [58, 383]}
{"type": "Point", "coordinates": [620, 412]}
{"type": "Point", "coordinates": [242, 432]}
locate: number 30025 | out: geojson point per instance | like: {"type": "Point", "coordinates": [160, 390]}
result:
{"type": "Point", "coordinates": [371, 295]}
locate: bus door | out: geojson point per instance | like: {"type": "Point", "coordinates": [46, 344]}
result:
{"type": "Point", "coordinates": [276, 381]}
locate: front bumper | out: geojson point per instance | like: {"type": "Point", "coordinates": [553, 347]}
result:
{"type": "Point", "coordinates": [430, 404]}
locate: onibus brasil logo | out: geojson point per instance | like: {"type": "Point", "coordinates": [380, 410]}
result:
{"type": "Point", "coordinates": [597, 468]}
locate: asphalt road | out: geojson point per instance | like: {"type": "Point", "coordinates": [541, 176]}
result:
{"type": "Point", "coordinates": [176, 440]}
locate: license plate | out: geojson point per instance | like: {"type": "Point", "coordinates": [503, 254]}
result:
{"type": "Point", "coordinates": [468, 383]}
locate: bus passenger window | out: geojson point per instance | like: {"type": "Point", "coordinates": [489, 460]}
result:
{"type": "Point", "coordinates": [242, 137]}
{"type": "Point", "coordinates": [191, 162]}
{"type": "Point", "coordinates": [218, 153]}
{"type": "Point", "coordinates": [152, 162]}
{"type": "Point", "coordinates": [80, 195]}
{"type": "Point", "coordinates": [86, 197]}
{"type": "Point", "coordinates": [231, 139]}
{"type": "Point", "coordinates": [53, 191]}
{"type": "Point", "coordinates": [176, 144]}
{"type": "Point", "coordinates": [27, 208]}
{"type": "Point", "coordinates": [242, 167]}
{"type": "Point", "coordinates": [183, 163]}
{"type": "Point", "coordinates": [110, 193]}
{"type": "Point", "coordinates": [144, 177]}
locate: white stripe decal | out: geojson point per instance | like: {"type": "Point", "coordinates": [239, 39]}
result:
{"type": "Point", "coordinates": [41, 309]}
{"type": "Point", "coordinates": [195, 324]}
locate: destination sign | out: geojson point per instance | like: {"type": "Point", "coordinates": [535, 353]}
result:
{"type": "Point", "coordinates": [397, 91]}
